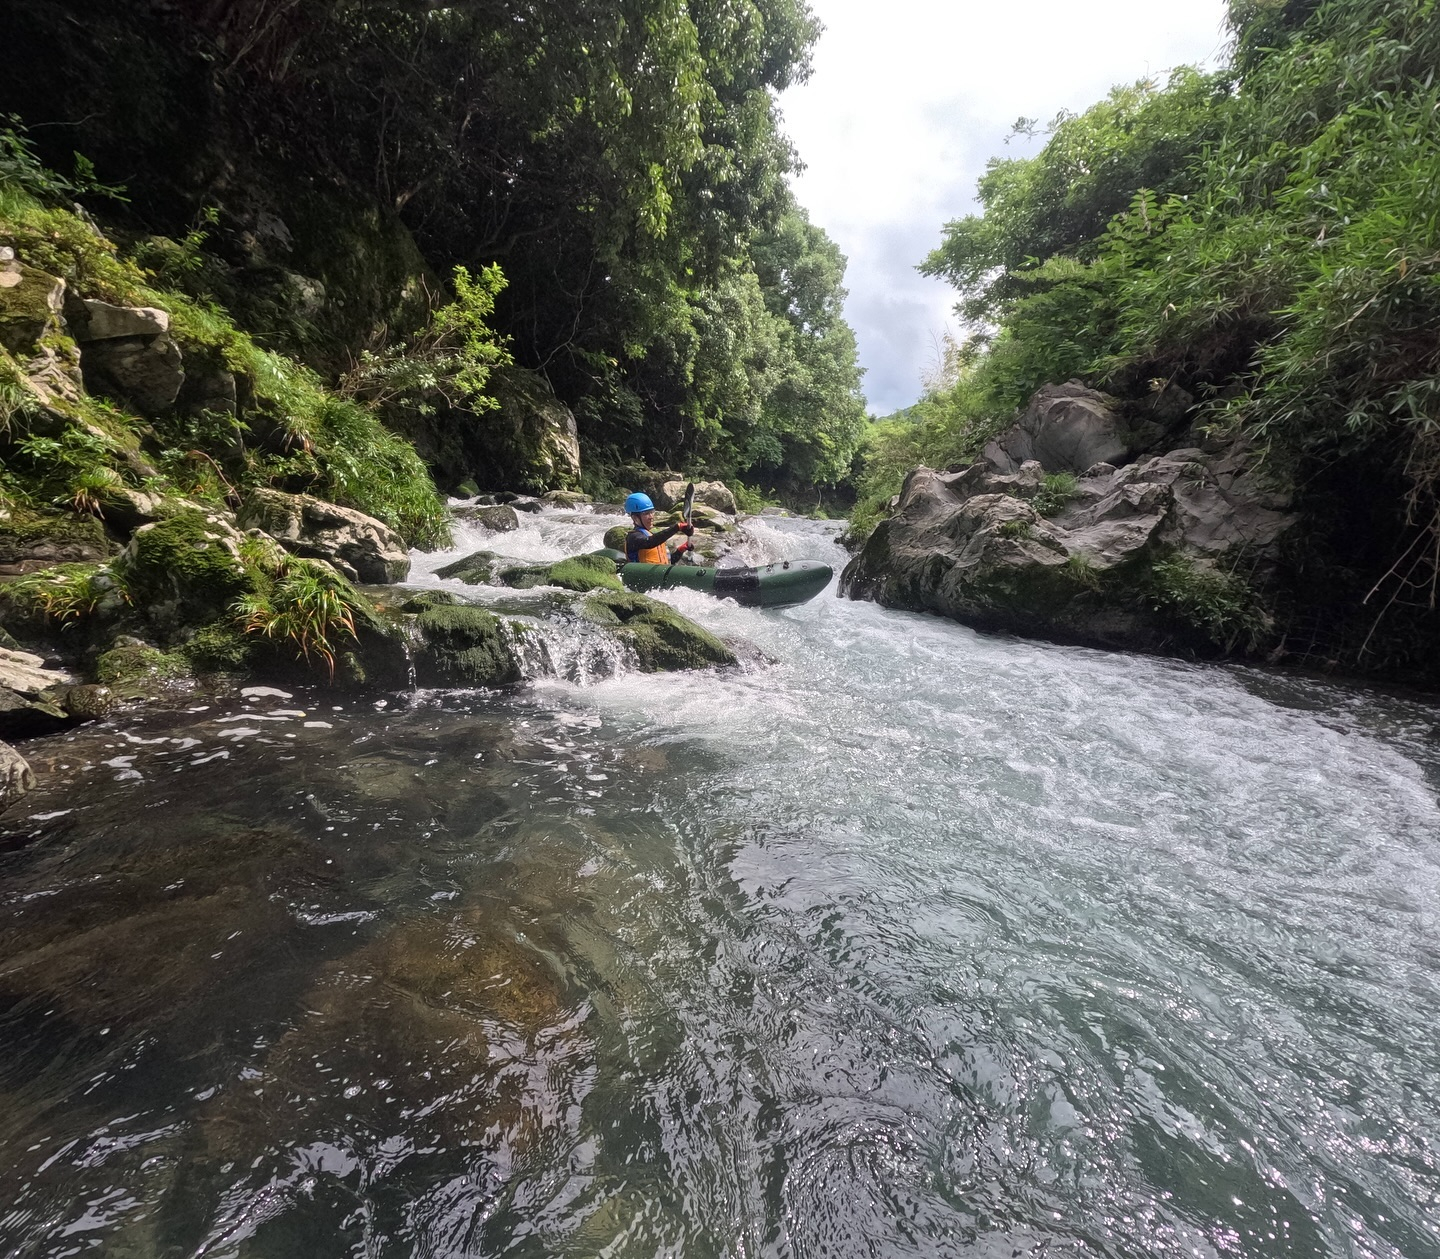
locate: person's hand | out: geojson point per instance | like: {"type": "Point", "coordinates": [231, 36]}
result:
{"type": "Point", "coordinates": [683, 547]}
{"type": "Point", "coordinates": [686, 528]}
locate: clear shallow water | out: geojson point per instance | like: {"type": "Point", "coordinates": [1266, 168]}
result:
{"type": "Point", "coordinates": [909, 942]}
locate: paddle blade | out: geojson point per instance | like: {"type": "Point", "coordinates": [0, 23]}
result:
{"type": "Point", "coordinates": [689, 500]}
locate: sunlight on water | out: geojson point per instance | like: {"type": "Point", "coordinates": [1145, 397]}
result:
{"type": "Point", "coordinates": [911, 941]}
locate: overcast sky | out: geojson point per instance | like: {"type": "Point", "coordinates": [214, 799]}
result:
{"type": "Point", "coordinates": [908, 101]}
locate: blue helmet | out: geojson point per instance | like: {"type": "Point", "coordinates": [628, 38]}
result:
{"type": "Point", "coordinates": [637, 503]}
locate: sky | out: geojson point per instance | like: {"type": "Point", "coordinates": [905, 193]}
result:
{"type": "Point", "coordinates": [908, 101]}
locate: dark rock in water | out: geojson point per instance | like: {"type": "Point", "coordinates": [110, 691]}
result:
{"type": "Point", "coordinates": [660, 637]}
{"type": "Point", "coordinates": [565, 498]}
{"type": "Point", "coordinates": [467, 489]}
{"type": "Point", "coordinates": [463, 646]}
{"type": "Point", "coordinates": [477, 569]}
{"type": "Point", "coordinates": [523, 503]}
{"type": "Point", "coordinates": [16, 777]}
{"type": "Point", "coordinates": [22, 718]}
{"type": "Point", "coordinates": [498, 517]}
{"type": "Point", "coordinates": [422, 599]}
{"type": "Point", "coordinates": [360, 547]}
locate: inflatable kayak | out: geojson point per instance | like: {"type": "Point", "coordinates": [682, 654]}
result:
{"type": "Point", "coordinates": [779, 585]}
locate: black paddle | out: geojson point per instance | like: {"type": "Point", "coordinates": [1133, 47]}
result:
{"type": "Point", "coordinates": [685, 515]}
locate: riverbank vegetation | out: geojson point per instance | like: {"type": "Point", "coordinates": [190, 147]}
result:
{"type": "Point", "coordinates": [320, 171]}
{"type": "Point", "coordinates": [1256, 248]}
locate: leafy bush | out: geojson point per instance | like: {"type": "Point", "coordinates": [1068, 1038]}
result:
{"type": "Point", "coordinates": [309, 606]}
{"type": "Point", "coordinates": [1220, 605]}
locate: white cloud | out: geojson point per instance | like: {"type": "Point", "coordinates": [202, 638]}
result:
{"type": "Point", "coordinates": [907, 103]}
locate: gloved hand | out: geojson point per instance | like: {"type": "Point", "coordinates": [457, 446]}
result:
{"type": "Point", "coordinates": [685, 527]}
{"type": "Point", "coordinates": [683, 547]}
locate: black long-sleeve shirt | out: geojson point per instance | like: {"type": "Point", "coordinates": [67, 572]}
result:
{"type": "Point", "coordinates": [638, 540]}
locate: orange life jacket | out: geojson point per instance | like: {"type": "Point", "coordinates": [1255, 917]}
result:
{"type": "Point", "coordinates": [652, 555]}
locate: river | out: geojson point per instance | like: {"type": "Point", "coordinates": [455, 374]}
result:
{"type": "Point", "coordinates": [897, 940]}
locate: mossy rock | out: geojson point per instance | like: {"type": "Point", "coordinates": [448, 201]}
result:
{"type": "Point", "coordinates": [185, 569]}
{"type": "Point", "coordinates": [579, 572]}
{"type": "Point", "coordinates": [463, 646]}
{"type": "Point", "coordinates": [133, 661]}
{"type": "Point", "coordinates": [34, 537]}
{"type": "Point", "coordinates": [477, 569]}
{"type": "Point", "coordinates": [420, 600]}
{"type": "Point", "coordinates": [221, 646]}
{"type": "Point", "coordinates": [615, 537]}
{"type": "Point", "coordinates": [660, 637]}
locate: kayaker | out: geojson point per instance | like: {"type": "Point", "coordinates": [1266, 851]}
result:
{"type": "Point", "coordinates": [641, 545]}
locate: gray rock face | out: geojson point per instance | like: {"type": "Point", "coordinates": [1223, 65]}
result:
{"type": "Point", "coordinates": [532, 438]}
{"type": "Point", "coordinates": [16, 777]}
{"type": "Point", "coordinates": [972, 546]}
{"type": "Point", "coordinates": [714, 494]}
{"type": "Point", "coordinates": [33, 330]}
{"type": "Point", "coordinates": [1067, 428]}
{"type": "Point", "coordinates": [359, 546]}
{"type": "Point", "coordinates": [146, 371]}
{"type": "Point", "coordinates": [100, 321]}
{"type": "Point", "coordinates": [29, 695]}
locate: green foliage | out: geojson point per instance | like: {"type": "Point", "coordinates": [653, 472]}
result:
{"type": "Point", "coordinates": [309, 606]}
{"type": "Point", "coordinates": [450, 359]}
{"type": "Point", "coordinates": [66, 593]}
{"type": "Point", "coordinates": [1222, 606]}
{"type": "Point", "coordinates": [21, 167]}
{"type": "Point", "coordinates": [1057, 490]}
{"type": "Point", "coordinates": [1017, 530]}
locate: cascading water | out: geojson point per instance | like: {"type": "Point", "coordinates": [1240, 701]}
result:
{"type": "Point", "coordinates": [909, 941]}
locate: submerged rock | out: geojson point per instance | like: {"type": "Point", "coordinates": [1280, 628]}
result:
{"type": "Point", "coordinates": [360, 547]}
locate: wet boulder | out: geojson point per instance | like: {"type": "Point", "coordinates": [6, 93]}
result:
{"type": "Point", "coordinates": [659, 638]}
{"type": "Point", "coordinates": [579, 572]}
{"type": "Point", "coordinates": [360, 547]}
{"type": "Point", "coordinates": [463, 646]}
{"type": "Point", "coordinates": [477, 569]}
{"type": "Point", "coordinates": [31, 695]}
{"type": "Point", "coordinates": [497, 517]}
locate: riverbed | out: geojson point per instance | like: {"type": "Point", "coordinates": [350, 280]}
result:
{"type": "Point", "coordinates": [897, 939]}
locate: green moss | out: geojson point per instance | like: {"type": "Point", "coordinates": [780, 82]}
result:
{"type": "Point", "coordinates": [615, 537]}
{"type": "Point", "coordinates": [184, 568]}
{"type": "Point", "coordinates": [428, 599]}
{"type": "Point", "coordinates": [474, 570]}
{"type": "Point", "coordinates": [135, 662]}
{"type": "Point", "coordinates": [579, 572]}
{"type": "Point", "coordinates": [660, 637]}
{"type": "Point", "coordinates": [220, 646]}
{"type": "Point", "coordinates": [463, 646]}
